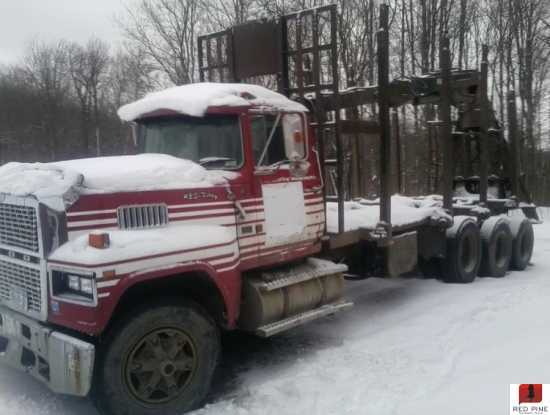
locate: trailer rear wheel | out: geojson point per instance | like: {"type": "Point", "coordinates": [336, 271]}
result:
{"type": "Point", "coordinates": [496, 241]}
{"type": "Point", "coordinates": [158, 361]}
{"type": "Point", "coordinates": [522, 244]}
{"type": "Point", "coordinates": [461, 263]}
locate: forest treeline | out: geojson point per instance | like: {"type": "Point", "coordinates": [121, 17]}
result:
{"type": "Point", "coordinates": [60, 100]}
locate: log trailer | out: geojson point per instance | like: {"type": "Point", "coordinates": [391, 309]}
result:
{"type": "Point", "coordinates": [118, 274]}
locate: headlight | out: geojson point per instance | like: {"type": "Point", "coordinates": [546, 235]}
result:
{"type": "Point", "coordinates": [73, 286]}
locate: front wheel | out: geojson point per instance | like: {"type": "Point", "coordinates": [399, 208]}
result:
{"type": "Point", "coordinates": [159, 361]}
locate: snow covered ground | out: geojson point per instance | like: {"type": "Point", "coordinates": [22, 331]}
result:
{"type": "Point", "coordinates": [409, 346]}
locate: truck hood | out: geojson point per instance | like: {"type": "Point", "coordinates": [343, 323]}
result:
{"type": "Point", "coordinates": [59, 184]}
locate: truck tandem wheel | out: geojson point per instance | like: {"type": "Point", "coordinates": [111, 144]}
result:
{"type": "Point", "coordinates": [496, 242]}
{"type": "Point", "coordinates": [159, 361]}
{"type": "Point", "coordinates": [461, 263]}
{"type": "Point", "coordinates": [522, 244]}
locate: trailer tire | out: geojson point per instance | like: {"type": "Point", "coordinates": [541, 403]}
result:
{"type": "Point", "coordinates": [522, 244]}
{"type": "Point", "coordinates": [461, 263]}
{"type": "Point", "coordinates": [158, 360]}
{"type": "Point", "coordinates": [496, 242]}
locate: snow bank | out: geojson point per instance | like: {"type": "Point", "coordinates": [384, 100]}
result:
{"type": "Point", "coordinates": [139, 243]}
{"type": "Point", "coordinates": [59, 184]}
{"type": "Point", "coordinates": [364, 214]}
{"type": "Point", "coordinates": [194, 100]}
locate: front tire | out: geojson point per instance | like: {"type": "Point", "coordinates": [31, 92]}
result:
{"type": "Point", "coordinates": [159, 360]}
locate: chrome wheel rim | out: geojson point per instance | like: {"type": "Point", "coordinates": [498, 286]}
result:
{"type": "Point", "coordinates": [160, 366]}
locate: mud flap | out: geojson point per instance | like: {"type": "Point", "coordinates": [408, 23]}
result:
{"type": "Point", "coordinates": [402, 254]}
{"type": "Point", "coordinates": [531, 213]}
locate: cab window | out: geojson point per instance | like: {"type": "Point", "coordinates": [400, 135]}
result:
{"type": "Point", "coordinates": [213, 141]}
{"type": "Point", "coordinates": [277, 138]}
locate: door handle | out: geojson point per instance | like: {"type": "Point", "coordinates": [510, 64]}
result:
{"type": "Point", "coordinates": [242, 212]}
{"type": "Point", "coordinates": [231, 196]}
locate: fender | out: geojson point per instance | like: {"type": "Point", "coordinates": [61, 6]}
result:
{"type": "Point", "coordinates": [119, 268]}
{"type": "Point", "coordinates": [94, 320]}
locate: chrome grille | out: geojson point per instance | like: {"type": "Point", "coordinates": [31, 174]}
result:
{"type": "Point", "coordinates": [27, 279]}
{"type": "Point", "coordinates": [19, 226]}
{"type": "Point", "coordinates": [140, 217]}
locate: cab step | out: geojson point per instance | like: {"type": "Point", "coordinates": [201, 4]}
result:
{"type": "Point", "coordinates": [310, 269]}
{"type": "Point", "coordinates": [294, 321]}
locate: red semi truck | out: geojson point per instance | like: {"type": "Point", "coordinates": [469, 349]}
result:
{"type": "Point", "coordinates": [118, 274]}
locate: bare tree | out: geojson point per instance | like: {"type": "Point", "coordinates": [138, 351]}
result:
{"type": "Point", "coordinates": [528, 30]}
{"type": "Point", "coordinates": [166, 31]}
{"type": "Point", "coordinates": [88, 66]}
{"type": "Point", "coordinates": [46, 69]}
{"type": "Point", "coordinates": [225, 13]}
{"type": "Point", "coordinates": [129, 77]}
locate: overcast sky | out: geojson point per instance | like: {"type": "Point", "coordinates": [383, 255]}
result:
{"type": "Point", "coordinates": [77, 20]}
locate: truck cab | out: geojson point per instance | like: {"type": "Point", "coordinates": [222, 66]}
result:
{"type": "Point", "coordinates": [121, 271]}
{"type": "Point", "coordinates": [272, 156]}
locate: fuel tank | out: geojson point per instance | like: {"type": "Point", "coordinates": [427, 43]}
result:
{"type": "Point", "coordinates": [273, 296]}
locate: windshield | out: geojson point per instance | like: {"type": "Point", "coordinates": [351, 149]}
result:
{"type": "Point", "coordinates": [213, 141]}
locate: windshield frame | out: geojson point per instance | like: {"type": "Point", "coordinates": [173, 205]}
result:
{"type": "Point", "coordinates": [182, 117]}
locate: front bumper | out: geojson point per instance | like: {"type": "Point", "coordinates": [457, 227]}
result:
{"type": "Point", "coordinates": [64, 363]}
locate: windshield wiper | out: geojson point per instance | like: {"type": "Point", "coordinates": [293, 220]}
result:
{"type": "Point", "coordinates": [209, 160]}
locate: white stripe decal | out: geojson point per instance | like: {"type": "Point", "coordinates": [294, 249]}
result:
{"type": "Point", "coordinates": [220, 212]}
{"type": "Point", "coordinates": [229, 268]}
{"type": "Point", "coordinates": [91, 212]}
{"type": "Point", "coordinates": [224, 261]}
{"type": "Point", "coordinates": [94, 222]}
{"type": "Point", "coordinates": [315, 200]}
{"type": "Point", "coordinates": [194, 205]}
{"type": "Point", "coordinates": [183, 258]}
{"type": "Point", "coordinates": [105, 284]}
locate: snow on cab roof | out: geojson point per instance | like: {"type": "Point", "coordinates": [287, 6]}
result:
{"type": "Point", "coordinates": [195, 99]}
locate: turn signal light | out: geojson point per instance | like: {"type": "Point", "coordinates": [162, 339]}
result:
{"type": "Point", "coordinates": [99, 240]}
{"type": "Point", "coordinates": [298, 137]}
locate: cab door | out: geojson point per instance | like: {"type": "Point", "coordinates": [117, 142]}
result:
{"type": "Point", "coordinates": [279, 148]}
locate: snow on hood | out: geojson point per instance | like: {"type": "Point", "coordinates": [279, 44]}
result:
{"type": "Point", "coordinates": [59, 184]}
{"type": "Point", "coordinates": [48, 183]}
{"type": "Point", "coordinates": [142, 243]}
{"type": "Point", "coordinates": [194, 100]}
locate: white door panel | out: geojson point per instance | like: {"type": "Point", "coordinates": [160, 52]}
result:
{"type": "Point", "coordinates": [285, 213]}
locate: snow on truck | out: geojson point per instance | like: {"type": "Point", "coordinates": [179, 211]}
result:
{"type": "Point", "coordinates": [117, 274]}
